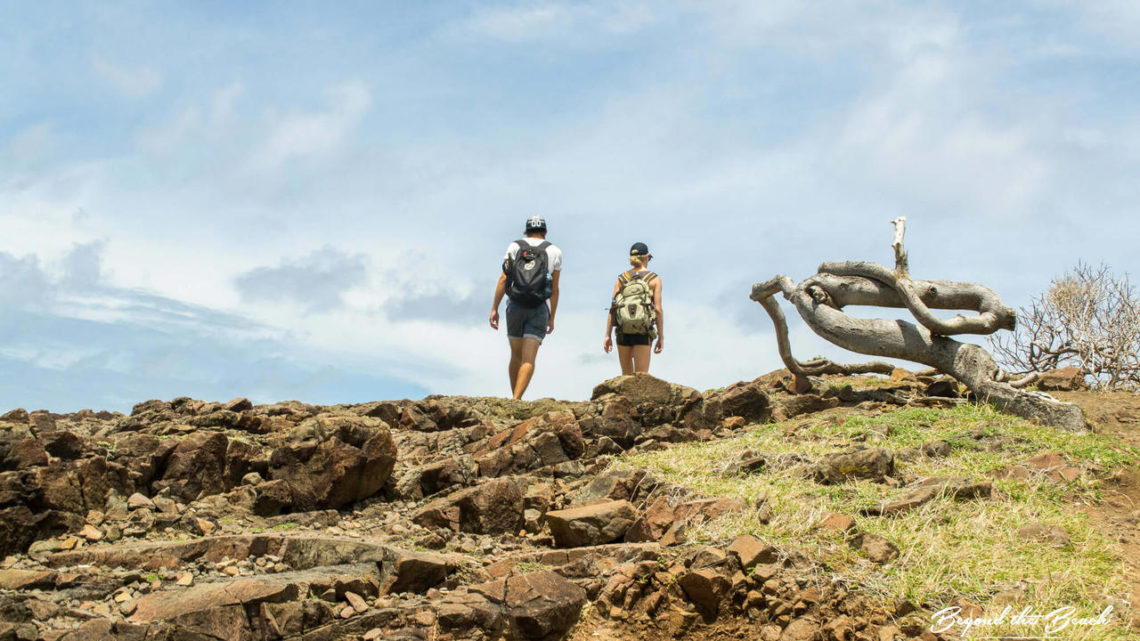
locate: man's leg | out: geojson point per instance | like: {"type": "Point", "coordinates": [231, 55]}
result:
{"type": "Point", "coordinates": [516, 360]}
{"type": "Point", "coordinates": [641, 354]}
{"type": "Point", "coordinates": [625, 358]}
{"type": "Point", "coordinates": [528, 351]}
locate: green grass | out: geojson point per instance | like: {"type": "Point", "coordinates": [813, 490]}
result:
{"type": "Point", "coordinates": [530, 567]}
{"type": "Point", "coordinates": [949, 548]}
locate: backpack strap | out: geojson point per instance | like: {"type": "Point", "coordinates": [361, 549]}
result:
{"type": "Point", "coordinates": [524, 245]}
{"type": "Point", "coordinates": [631, 275]}
{"type": "Point", "coordinates": [541, 247]}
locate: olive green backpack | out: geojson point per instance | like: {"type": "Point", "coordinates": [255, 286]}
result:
{"type": "Point", "coordinates": [633, 306]}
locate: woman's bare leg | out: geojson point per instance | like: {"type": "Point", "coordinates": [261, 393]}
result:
{"type": "Point", "coordinates": [641, 354]}
{"type": "Point", "coordinates": [625, 358]}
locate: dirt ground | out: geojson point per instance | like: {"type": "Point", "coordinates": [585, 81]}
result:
{"type": "Point", "coordinates": [1118, 415]}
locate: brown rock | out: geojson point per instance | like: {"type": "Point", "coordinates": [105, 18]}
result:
{"type": "Point", "coordinates": [272, 497]}
{"type": "Point", "coordinates": [837, 523]}
{"type": "Point", "coordinates": [1046, 461]}
{"type": "Point", "coordinates": [794, 406]}
{"type": "Point", "coordinates": [138, 501]}
{"type": "Point", "coordinates": [493, 507]}
{"type": "Point", "coordinates": [615, 485]}
{"type": "Point", "coordinates": [25, 454]}
{"type": "Point", "coordinates": [13, 579]}
{"type": "Point", "coordinates": [801, 630]}
{"type": "Point", "coordinates": [197, 466]}
{"type": "Point", "coordinates": [350, 463]}
{"type": "Point", "coordinates": [705, 588]}
{"type": "Point", "coordinates": [542, 605]}
{"type": "Point", "coordinates": [733, 423]}
{"type": "Point", "coordinates": [750, 551]}
{"type": "Point", "coordinates": [594, 524]}
{"type": "Point", "coordinates": [543, 441]}
{"type": "Point", "coordinates": [415, 572]}
{"type": "Point", "coordinates": [745, 400]}
{"type": "Point", "coordinates": [1065, 379]}
{"type": "Point", "coordinates": [448, 473]}
{"type": "Point", "coordinates": [957, 487]}
{"type": "Point", "coordinates": [639, 388]}
{"type": "Point", "coordinates": [1044, 533]}
{"type": "Point", "coordinates": [213, 609]}
{"type": "Point", "coordinates": [653, 524]}
{"type": "Point", "coordinates": [946, 388]}
{"type": "Point", "coordinates": [238, 405]}
{"type": "Point", "coordinates": [877, 548]}
{"type": "Point", "coordinates": [356, 601]}
{"type": "Point", "coordinates": [862, 463]}
{"type": "Point", "coordinates": [890, 633]}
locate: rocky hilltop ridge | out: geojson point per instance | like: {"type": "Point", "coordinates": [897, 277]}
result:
{"type": "Point", "coordinates": [442, 518]}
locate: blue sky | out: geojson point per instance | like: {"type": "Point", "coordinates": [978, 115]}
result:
{"type": "Point", "coordinates": [310, 200]}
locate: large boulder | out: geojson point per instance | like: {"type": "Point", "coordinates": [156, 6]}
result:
{"type": "Point", "coordinates": [592, 524]}
{"type": "Point", "coordinates": [331, 462]}
{"type": "Point", "coordinates": [541, 606]}
{"type": "Point", "coordinates": [494, 507]}
{"type": "Point", "coordinates": [417, 572]}
{"type": "Point", "coordinates": [747, 400]}
{"type": "Point", "coordinates": [625, 407]}
{"type": "Point", "coordinates": [196, 467]}
{"type": "Point", "coordinates": [542, 441]}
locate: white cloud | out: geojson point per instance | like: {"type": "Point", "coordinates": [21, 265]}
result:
{"type": "Point", "coordinates": [568, 22]}
{"type": "Point", "coordinates": [522, 23]}
{"type": "Point", "coordinates": [300, 135]}
{"type": "Point", "coordinates": [137, 82]}
{"type": "Point", "coordinates": [211, 121]}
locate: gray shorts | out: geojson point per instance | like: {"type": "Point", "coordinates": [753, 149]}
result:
{"type": "Point", "coordinates": [527, 322]}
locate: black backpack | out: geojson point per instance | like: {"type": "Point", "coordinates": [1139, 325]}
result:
{"type": "Point", "coordinates": [528, 281]}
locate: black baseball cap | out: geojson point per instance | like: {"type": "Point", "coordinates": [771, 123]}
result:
{"type": "Point", "coordinates": [639, 249]}
{"type": "Point", "coordinates": [535, 223]}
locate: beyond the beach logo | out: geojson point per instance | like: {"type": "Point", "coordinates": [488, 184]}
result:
{"type": "Point", "coordinates": [1029, 623]}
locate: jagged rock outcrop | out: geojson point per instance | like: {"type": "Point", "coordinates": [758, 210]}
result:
{"type": "Point", "coordinates": [446, 518]}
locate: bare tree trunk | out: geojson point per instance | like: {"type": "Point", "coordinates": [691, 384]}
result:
{"type": "Point", "coordinates": [821, 298]}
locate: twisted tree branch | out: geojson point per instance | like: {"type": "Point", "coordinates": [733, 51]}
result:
{"type": "Point", "coordinates": [821, 298]}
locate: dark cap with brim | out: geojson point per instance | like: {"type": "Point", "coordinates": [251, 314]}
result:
{"type": "Point", "coordinates": [640, 249]}
{"type": "Point", "coordinates": [535, 223]}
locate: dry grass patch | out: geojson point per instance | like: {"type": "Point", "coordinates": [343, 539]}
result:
{"type": "Point", "coordinates": [969, 549]}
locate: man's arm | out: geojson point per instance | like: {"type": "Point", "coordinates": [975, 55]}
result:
{"type": "Point", "coordinates": [553, 299]}
{"type": "Point", "coordinates": [500, 289]}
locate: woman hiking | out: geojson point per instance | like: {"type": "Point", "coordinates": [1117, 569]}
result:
{"type": "Point", "coordinates": [636, 313]}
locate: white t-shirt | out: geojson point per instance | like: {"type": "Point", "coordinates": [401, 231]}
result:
{"type": "Point", "coordinates": [553, 254]}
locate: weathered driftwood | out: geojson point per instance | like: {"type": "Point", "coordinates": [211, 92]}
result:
{"type": "Point", "coordinates": [821, 298]}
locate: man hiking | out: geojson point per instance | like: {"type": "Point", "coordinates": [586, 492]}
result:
{"type": "Point", "coordinates": [530, 275]}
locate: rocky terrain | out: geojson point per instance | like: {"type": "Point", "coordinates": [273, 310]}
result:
{"type": "Point", "coordinates": [465, 518]}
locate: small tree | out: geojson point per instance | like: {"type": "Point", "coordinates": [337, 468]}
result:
{"type": "Point", "coordinates": [1089, 319]}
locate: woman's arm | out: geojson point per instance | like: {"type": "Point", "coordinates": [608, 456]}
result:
{"type": "Point", "coordinates": [608, 343]}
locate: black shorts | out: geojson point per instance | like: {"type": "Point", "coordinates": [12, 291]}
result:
{"type": "Point", "coordinates": [630, 340]}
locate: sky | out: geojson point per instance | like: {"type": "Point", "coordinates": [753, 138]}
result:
{"type": "Point", "coordinates": [300, 200]}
